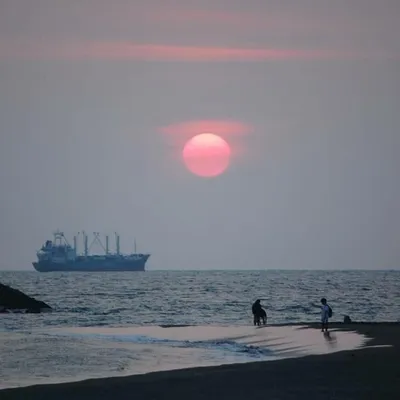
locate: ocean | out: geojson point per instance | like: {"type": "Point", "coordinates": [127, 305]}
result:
{"type": "Point", "coordinates": [110, 324]}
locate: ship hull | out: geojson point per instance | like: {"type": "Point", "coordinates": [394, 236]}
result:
{"type": "Point", "coordinates": [92, 266]}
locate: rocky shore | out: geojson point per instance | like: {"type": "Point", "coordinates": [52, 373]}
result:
{"type": "Point", "coordinates": [13, 300]}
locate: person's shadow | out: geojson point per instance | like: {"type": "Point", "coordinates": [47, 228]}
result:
{"type": "Point", "coordinates": [330, 339]}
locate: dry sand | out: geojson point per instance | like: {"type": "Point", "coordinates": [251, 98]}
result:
{"type": "Point", "coordinates": [368, 373]}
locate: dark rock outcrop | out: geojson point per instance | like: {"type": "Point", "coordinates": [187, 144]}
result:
{"type": "Point", "coordinates": [13, 300]}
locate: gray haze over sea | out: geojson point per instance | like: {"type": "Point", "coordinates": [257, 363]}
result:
{"type": "Point", "coordinates": [65, 344]}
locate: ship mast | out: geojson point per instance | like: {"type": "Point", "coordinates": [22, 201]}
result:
{"type": "Point", "coordinates": [76, 244]}
{"type": "Point", "coordinates": [85, 243]}
{"type": "Point", "coordinates": [117, 243]}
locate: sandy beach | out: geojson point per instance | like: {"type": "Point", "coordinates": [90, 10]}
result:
{"type": "Point", "coordinates": [369, 373]}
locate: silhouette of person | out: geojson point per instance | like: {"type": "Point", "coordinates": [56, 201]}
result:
{"type": "Point", "coordinates": [258, 313]}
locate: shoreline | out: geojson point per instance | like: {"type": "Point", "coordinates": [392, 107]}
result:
{"type": "Point", "coordinates": [363, 373]}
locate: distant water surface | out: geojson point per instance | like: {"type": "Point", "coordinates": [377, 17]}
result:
{"type": "Point", "coordinates": [207, 297]}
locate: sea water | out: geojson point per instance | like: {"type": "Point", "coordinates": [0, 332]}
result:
{"type": "Point", "coordinates": [106, 324]}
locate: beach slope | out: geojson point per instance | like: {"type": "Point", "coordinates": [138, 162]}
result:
{"type": "Point", "coordinates": [369, 373]}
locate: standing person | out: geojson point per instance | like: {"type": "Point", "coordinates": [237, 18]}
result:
{"type": "Point", "coordinates": [258, 312]}
{"type": "Point", "coordinates": [326, 313]}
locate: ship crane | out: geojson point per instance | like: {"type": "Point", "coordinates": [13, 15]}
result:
{"type": "Point", "coordinates": [97, 239]}
{"type": "Point", "coordinates": [60, 238]}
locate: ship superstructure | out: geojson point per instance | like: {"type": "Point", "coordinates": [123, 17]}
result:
{"type": "Point", "coordinates": [59, 255]}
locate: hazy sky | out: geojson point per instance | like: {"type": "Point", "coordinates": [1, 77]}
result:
{"type": "Point", "coordinates": [98, 97]}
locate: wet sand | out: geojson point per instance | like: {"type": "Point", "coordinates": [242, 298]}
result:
{"type": "Point", "coordinates": [372, 372]}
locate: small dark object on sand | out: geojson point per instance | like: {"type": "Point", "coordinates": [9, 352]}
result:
{"type": "Point", "coordinates": [347, 320]}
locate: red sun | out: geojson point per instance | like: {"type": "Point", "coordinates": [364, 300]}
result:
{"type": "Point", "coordinates": [206, 155]}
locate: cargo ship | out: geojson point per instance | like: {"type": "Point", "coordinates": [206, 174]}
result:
{"type": "Point", "coordinates": [59, 255]}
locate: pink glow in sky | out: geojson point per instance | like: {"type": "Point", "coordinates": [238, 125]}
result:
{"type": "Point", "coordinates": [218, 127]}
{"type": "Point", "coordinates": [229, 130]}
{"type": "Point", "coordinates": [108, 50]}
